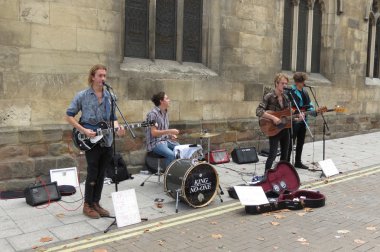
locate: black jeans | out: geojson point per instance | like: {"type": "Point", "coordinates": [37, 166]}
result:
{"type": "Point", "coordinates": [282, 137]}
{"type": "Point", "coordinates": [299, 133]}
{"type": "Point", "coordinates": [98, 160]}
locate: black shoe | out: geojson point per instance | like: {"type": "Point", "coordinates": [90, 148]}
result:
{"type": "Point", "coordinates": [301, 166]}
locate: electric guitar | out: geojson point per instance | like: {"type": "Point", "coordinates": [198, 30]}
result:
{"type": "Point", "coordinates": [270, 129]}
{"type": "Point", "coordinates": [85, 143]}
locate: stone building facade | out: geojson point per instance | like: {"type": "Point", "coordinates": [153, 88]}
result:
{"type": "Point", "coordinates": [48, 46]}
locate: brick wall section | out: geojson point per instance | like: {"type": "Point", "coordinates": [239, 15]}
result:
{"type": "Point", "coordinates": [31, 152]}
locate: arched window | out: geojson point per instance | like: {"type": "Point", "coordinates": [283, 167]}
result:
{"type": "Point", "coordinates": [302, 35]}
{"type": "Point", "coordinates": [373, 46]}
{"type": "Point", "coordinates": [164, 29]}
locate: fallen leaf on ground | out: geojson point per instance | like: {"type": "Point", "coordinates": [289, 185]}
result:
{"type": "Point", "coordinates": [34, 247]}
{"type": "Point", "coordinates": [301, 214]}
{"type": "Point", "coordinates": [267, 214]}
{"type": "Point", "coordinates": [161, 242]}
{"type": "Point", "coordinates": [260, 238]}
{"type": "Point", "coordinates": [301, 239]}
{"type": "Point", "coordinates": [275, 247]}
{"type": "Point", "coordinates": [46, 239]}
{"type": "Point", "coordinates": [358, 241]}
{"type": "Point", "coordinates": [285, 210]}
{"type": "Point", "coordinates": [100, 250]}
{"type": "Point", "coordinates": [349, 206]}
{"type": "Point", "coordinates": [274, 223]}
{"type": "Point", "coordinates": [326, 181]}
{"type": "Point", "coordinates": [213, 222]}
{"type": "Point", "coordinates": [279, 216]}
{"type": "Point", "coordinates": [60, 215]}
{"type": "Point", "coordinates": [146, 230]}
{"type": "Point", "coordinates": [343, 231]}
{"type": "Point", "coordinates": [308, 209]}
{"type": "Point", "coordinates": [216, 236]}
{"type": "Point", "coordinates": [371, 228]}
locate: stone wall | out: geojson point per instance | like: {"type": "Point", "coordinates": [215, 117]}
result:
{"type": "Point", "coordinates": [47, 47]}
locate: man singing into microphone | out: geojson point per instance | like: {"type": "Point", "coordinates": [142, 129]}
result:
{"type": "Point", "coordinates": [95, 106]}
{"type": "Point", "coordinates": [276, 101]}
{"type": "Point", "coordinates": [302, 99]}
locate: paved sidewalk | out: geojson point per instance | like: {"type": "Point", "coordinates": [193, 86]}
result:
{"type": "Point", "coordinates": [22, 226]}
{"type": "Point", "coordinates": [348, 222]}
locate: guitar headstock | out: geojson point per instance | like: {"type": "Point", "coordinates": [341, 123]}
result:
{"type": "Point", "coordinates": [339, 109]}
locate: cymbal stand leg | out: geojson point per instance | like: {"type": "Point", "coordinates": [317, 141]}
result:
{"type": "Point", "coordinates": [177, 199]}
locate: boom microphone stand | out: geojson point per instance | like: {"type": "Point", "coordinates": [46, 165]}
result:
{"type": "Point", "coordinates": [325, 126]}
{"type": "Point", "coordinates": [303, 119]}
{"type": "Point", "coordinates": [112, 120]}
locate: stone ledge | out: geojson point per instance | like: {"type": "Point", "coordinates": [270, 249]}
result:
{"type": "Point", "coordinates": [142, 66]}
{"type": "Point", "coordinates": [372, 81]}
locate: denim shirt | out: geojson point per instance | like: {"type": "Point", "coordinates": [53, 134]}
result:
{"type": "Point", "coordinates": [92, 111]}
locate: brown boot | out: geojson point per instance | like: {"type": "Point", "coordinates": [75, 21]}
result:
{"type": "Point", "coordinates": [90, 211]}
{"type": "Point", "coordinates": [101, 211]}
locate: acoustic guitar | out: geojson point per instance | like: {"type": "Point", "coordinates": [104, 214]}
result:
{"type": "Point", "coordinates": [270, 129]}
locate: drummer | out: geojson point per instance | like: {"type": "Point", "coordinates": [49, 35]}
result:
{"type": "Point", "coordinates": [159, 138]}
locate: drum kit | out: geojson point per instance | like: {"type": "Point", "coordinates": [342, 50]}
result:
{"type": "Point", "coordinates": [190, 179]}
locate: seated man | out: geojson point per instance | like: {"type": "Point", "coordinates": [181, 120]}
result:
{"type": "Point", "coordinates": [159, 138]}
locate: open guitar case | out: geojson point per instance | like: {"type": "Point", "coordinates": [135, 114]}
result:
{"type": "Point", "coordinates": [281, 186]}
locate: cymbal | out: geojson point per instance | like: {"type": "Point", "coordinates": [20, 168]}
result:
{"type": "Point", "coordinates": [203, 135]}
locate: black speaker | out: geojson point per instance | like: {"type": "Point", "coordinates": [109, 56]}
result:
{"type": "Point", "coordinates": [245, 155]}
{"type": "Point", "coordinates": [39, 194]}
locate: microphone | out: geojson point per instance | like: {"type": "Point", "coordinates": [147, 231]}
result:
{"type": "Point", "coordinates": [308, 86]}
{"type": "Point", "coordinates": [106, 85]}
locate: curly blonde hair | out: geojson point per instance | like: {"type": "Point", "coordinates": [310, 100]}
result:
{"type": "Point", "coordinates": [279, 76]}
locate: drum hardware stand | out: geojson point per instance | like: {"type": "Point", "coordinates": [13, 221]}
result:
{"type": "Point", "coordinates": [113, 105]}
{"type": "Point", "coordinates": [325, 127]}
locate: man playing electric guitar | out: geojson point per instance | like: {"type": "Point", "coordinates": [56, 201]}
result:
{"type": "Point", "coordinates": [301, 97]}
{"type": "Point", "coordinates": [276, 101]}
{"type": "Point", "coordinates": [95, 106]}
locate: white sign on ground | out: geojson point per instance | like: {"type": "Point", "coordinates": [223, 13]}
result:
{"type": "Point", "coordinates": [126, 208]}
{"type": "Point", "coordinates": [251, 195]}
{"type": "Point", "coordinates": [328, 167]}
{"type": "Point", "coordinates": [65, 176]}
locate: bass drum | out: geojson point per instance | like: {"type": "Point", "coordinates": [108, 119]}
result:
{"type": "Point", "coordinates": [197, 182]}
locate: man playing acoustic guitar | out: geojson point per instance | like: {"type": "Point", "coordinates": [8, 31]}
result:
{"type": "Point", "coordinates": [95, 106]}
{"type": "Point", "coordinates": [276, 100]}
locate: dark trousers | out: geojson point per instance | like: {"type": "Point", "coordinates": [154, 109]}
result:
{"type": "Point", "coordinates": [299, 133]}
{"type": "Point", "coordinates": [98, 159]}
{"type": "Point", "coordinates": [282, 138]}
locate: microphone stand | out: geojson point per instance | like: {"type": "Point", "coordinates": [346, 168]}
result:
{"type": "Point", "coordinates": [325, 127]}
{"type": "Point", "coordinates": [303, 119]}
{"type": "Point", "coordinates": [115, 162]}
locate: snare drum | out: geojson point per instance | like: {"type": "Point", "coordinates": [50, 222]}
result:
{"type": "Point", "coordinates": [197, 181]}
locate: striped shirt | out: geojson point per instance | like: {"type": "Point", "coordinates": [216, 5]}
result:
{"type": "Point", "coordinates": [162, 123]}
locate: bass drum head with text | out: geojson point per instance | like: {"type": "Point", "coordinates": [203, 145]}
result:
{"type": "Point", "coordinates": [198, 182]}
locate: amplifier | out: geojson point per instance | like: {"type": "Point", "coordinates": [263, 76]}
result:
{"type": "Point", "coordinates": [218, 156]}
{"type": "Point", "coordinates": [245, 155]}
{"type": "Point", "coordinates": [40, 194]}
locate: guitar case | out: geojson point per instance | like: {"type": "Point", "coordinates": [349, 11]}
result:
{"type": "Point", "coordinates": [281, 186]}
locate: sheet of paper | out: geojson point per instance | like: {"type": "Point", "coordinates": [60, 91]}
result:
{"type": "Point", "coordinates": [328, 167]}
{"type": "Point", "coordinates": [126, 208]}
{"type": "Point", "coordinates": [65, 176]}
{"type": "Point", "coordinates": [251, 195]}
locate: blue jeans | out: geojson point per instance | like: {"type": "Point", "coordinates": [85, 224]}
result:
{"type": "Point", "coordinates": [165, 149]}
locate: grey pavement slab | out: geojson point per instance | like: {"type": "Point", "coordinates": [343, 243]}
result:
{"type": "Point", "coordinates": [5, 246]}
{"type": "Point", "coordinates": [23, 226]}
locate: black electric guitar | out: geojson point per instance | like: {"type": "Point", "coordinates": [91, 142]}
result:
{"type": "Point", "coordinates": [85, 143]}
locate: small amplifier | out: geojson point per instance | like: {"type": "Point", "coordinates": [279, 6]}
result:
{"type": "Point", "coordinates": [218, 156]}
{"type": "Point", "coordinates": [245, 155]}
{"type": "Point", "coordinates": [40, 194]}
